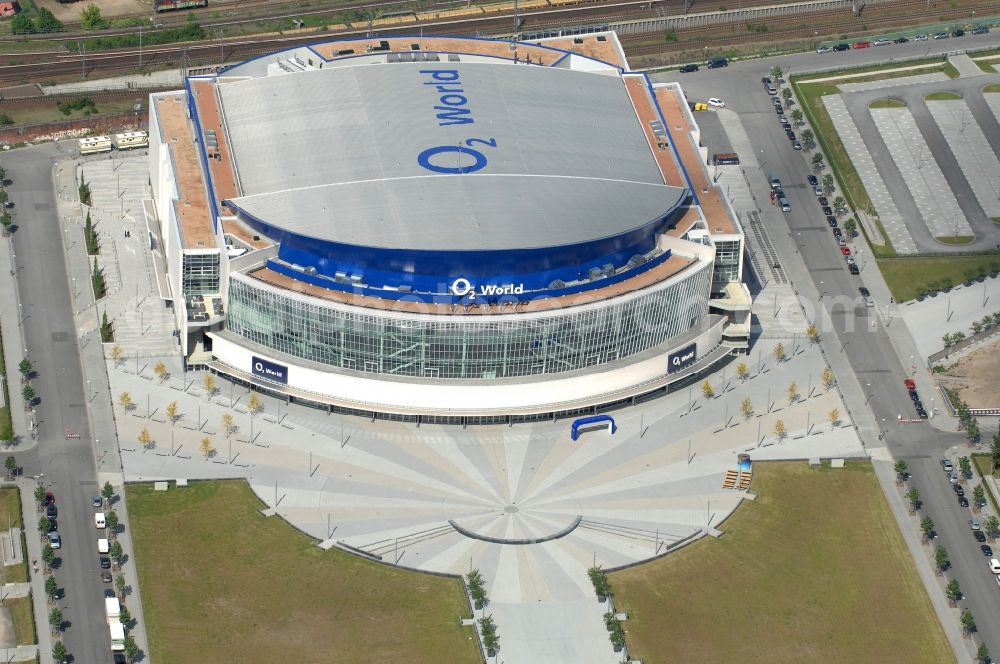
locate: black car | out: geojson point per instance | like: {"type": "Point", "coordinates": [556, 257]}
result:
{"type": "Point", "coordinates": [981, 30]}
{"type": "Point", "coordinates": [918, 405]}
{"type": "Point", "coordinates": [827, 210]}
{"type": "Point", "coordinates": [957, 488]}
{"type": "Point", "coordinates": [105, 576]}
{"type": "Point", "coordinates": [842, 47]}
{"type": "Point", "coordinates": [832, 220]}
{"type": "Point", "coordinates": [790, 134]}
{"type": "Point", "coordinates": [853, 269]}
{"type": "Point", "coordinates": [978, 534]}
{"type": "Point", "coordinates": [837, 232]}
{"type": "Point", "coordinates": [958, 33]}
{"type": "Point", "coordinates": [900, 40]}
{"type": "Point", "coordinates": [105, 562]}
{"type": "Point", "coordinates": [50, 510]}
{"type": "Point", "coordinates": [822, 201]}
{"type": "Point", "coordinates": [914, 397]}
{"type": "Point", "coordinates": [987, 551]}
{"type": "Point", "coordinates": [812, 180]}
{"type": "Point", "coordinates": [778, 110]}
{"type": "Point", "coordinates": [786, 126]}
{"type": "Point", "coordinates": [963, 501]}
{"type": "Point", "coordinates": [687, 69]}
{"type": "Point", "coordinates": [921, 413]}
{"type": "Point", "coordinates": [765, 81]}
{"type": "Point", "coordinates": [864, 292]}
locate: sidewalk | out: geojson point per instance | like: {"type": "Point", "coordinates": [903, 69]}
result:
{"type": "Point", "coordinates": [13, 345]}
{"type": "Point", "coordinates": [33, 553]}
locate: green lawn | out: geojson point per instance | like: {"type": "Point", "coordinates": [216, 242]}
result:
{"type": "Point", "coordinates": [955, 239]}
{"type": "Point", "coordinates": [47, 111]}
{"type": "Point", "coordinates": [23, 617]}
{"type": "Point", "coordinates": [220, 583]}
{"type": "Point", "coordinates": [992, 87]}
{"type": "Point", "coordinates": [6, 424]}
{"type": "Point", "coordinates": [908, 277]}
{"type": "Point", "coordinates": [814, 570]}
{"type": "Point", "coordinates": [10, 507]}
{"type": "Point", "coordinates": [942, 95]}
{"type": "Point", "coordinates": [887, 103]}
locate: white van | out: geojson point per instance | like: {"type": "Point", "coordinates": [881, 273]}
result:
{"type": "Point", "coordinates": [99, 521]}
{"type": "Point", "coordinates": [102, 546]}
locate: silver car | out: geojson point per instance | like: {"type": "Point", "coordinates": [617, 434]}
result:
{"type": "Point", "coordinates": [55, 541]}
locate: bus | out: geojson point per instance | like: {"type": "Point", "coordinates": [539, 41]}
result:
{"type": "Point", "coordinates": [131, 140]}
{"type": "Point", "coordinates": [95, 144]}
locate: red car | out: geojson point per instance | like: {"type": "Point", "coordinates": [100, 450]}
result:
{"type": "Point", "coordinates": [910, 385]}
{"type": "Point", "coordinates": [860, 44]}
{"type": "Point", "coordinates": [845, 250]}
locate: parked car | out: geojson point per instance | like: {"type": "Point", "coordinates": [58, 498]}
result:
{"type": "Point", "coordinates": [980, 30]}
{"type": "Point", "coordinates": [845, 250]}
{"type": "Point", "coordinates": [900, 40]}
{"type": "Point", "coordinates": [50, 498]}
{"type": "Point", "coordinates": [910, 385]}
{"type": "Point", "coordinates": [914, 396]}
{"type": "Point", "coordinates": [832, 220]}
{"type": "Point", "coordinates": [853, 269]}
{"type": "Point", "coordinates": [921, 413]}
{"type": "Point", "coordinates": [105, 576]}
{"type": "Point", "coordinates": [920, 38]}
{"type": "Point", "coordinates": [958, 33]}
{"type": "Point", "coordinates": [850, 260]}
{"type": "Point", "coordinates": [786, 126]}
{"type": "Point", "coordinates": [841, 241]}
{"type": "Point", "coordinates": [827, 210]}
{"type": "Point", "coordinates": [716, 103]}
{"type": "Point", "coordinates": [687, 69]}
{"type": "Point", "coordinates": [818, 190]}
{"type": "Point", "coordinates": [860, 44]}
{"type": "Point", "coordinates": [995, 565]}
{"type": "Point", "coordinates": [953, 478]}
{"type": "Point", "coordinates": [105, 562]}
{"type": "Point", "coordinates": [96, 502]}
{"type": "Point", "coordinates": [941, 35]}
{"type": "Point", "coordinates": [881, 42]}
{"type": "Point", "coordinates": [959, 490]}
{"type": "Point", "coordinates": [796, 145]}
{"type": "Point", "coordinates": [974, 523]}
{"type": "Point", "coordinates": [50, 510]}
{"type": "Point", "coordinates": [978, 536]}
{"type": "Point", "coordinates": [715, 63]}
{"type": "Point", "coordinates": [823, 202]}
{"type": "Point", "coordinates": [55, 541]}
{"type": "Point", "coordinates": [963, 501]}
{"type": "Point", "coordinates": [825, 49]}
{"type": "Point", "coordinates": [987, 550]}
{"type": "Point", "coordinates": [812, 179]}
{"type": "Point", "coordinates": [837, 232]}
{"type": "Point", "coordinates": [790, 134]}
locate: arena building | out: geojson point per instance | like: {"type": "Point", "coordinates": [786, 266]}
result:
{"type": "Point", "coordinates": [448, 229]}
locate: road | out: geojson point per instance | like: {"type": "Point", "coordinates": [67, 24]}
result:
{"type": "Point", "coordinates": [67, 465]}
{"type": "Point", "coordinates": [815, 265]}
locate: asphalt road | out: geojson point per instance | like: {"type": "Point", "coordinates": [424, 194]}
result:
{"type": "Point", "coordinates": [869, 351]}
{"type": "Point", "coordinates": [67, 465]}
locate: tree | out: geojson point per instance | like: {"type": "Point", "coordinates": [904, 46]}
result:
{"type": "Point", "coordinates": [23, 25]}
{"type": "Point", "coordinates": [900, 468]}
{"type": "Point", "coordinates": [44, 525]}
{"type": "Point", "coordinates": [131, 648]}
{"type": "Point", "coordinates": [116, 553]}
{"type": "Point", "coordinates": [56, 618]}
{"type": "Point", "coordinates": [111, 521]}
{"type": "Point", "coordinates": [828, 183]}
{"type": "Point", "coordinates": [107, 492]}
{"type": "Point", "coordinates": [707, 390]}
{"type": "Point", "coordinates": [833, 416]}
{"type": "Point", "coordinates": [97, 281]}
{"type": "Point", "coordinates": [797, 116]}
{"type": "Point", "coordinates": [968, 622]}
{"type": "Point", "coordinates": [941, 558]}
{"type": "Point", "coordinates": [742, 371]}
{"type": "Point", "coordinates": [120, 585]}
{"type": "Point", "coordinates": [28, 394]}
{"type": "Point", "coordinates": [808, 139]}
{"type": "Point", "coordinates": [954, 590]}
{"type": "Point", "coordinates": [24, 366]}
{"type": "Point", "coordinates": [978, 496]}
{"type": "Point", "coordinates": [4, 196]}
{"type": "Point", "coordinates": [786, 94]}
{"type": "Point", "coordinates": [146, 439]}
{"type": "Point", "coordinates": [91, 18]}
{"type": "Point", "coordinates": [254, 404]}
{"type": "Point", "coordinates": [779, 429]}
{"type": "Point", "coordinates": [5, 218]}
{"type": "Point", "coordinates": [927, 527]}
{"type": "Point", "coordinates": [117, 355]}
{"type": "Point", "coordinates": [972, 431]}
{"type": "Point", "coordinates": [964, 467]}
{"type": "Point", "coordinates": [793, 393]}
{"type": "Point", "coordinates": [59, 653]}
{"type": "Point", "coordinates": [817, 161]}
{"type": "Point", "coordinates": [746, 407]}
{"type": "Point", "coordinates": [228, 423]}
{"type": "Point", "coordinates": [124, 616]}
{"type": "Point", "coordinates": [827, 377]}
{"type": "Point", "coordinates": [209, 383]}
{"type": "Point", "coordinates": [776, 75]}
{"type": "Point", "coordinates": [47, 21]}
{"type": "Point", "coordinates": [983, 654]}
{"type": "Point", "coordinates": [48, 555]}
{"type": "Point", "coordinates": [839, 203]}
{"type": "Point", "coordinates": [206, 447]}
{"type": "Point", "coordinates": [39, 495]}
{"type": "Point", "coordinates": [813, 333]}
{"type": "Point", "coordinates": [914, 497]}
{"type": "Point", "coordinates": [172, 411]}
{"type": "Point", "coordinates": [51, 586]}
{"type": "Point", "coordinates": [850, 227]}
{"type": "Point", "coordinates": [779, 351]}
{"type": "Point", "coordinates": [992, 527]}
{"type": "Point", "coordinates": [11, 465]}
{"type": "Point", "coordinates": [160, 369]}
{"type": "Point", "coordinates": [125, 400]}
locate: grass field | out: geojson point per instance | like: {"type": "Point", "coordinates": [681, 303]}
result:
{"type": "Point", "coordinates": [992, 87]}
{"type": "Point", "coordinates": [46, 111]}
{"type": "Point", "coordinates": [908, 277]}
{"type": "Point", "coordinates": [943, 95]}
{"type": "Point", "coordinates": [220, 583]}
{"type": "Point", "coordinates": [10, 506]}
{"type": "Point", "coordinates": [814, 570]}
{"type": "Point", "coordinates": [887, 103]}
{"type": "Point", "coordinates": [955, 239]}
{"type": "Point", "coordinates": [23, 617]}
{"type": "Point", "coordinates": [6, 423]}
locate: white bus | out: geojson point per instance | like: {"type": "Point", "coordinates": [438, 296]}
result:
{"type": "Point", "coordinates": [131, 140]}
{"type": "Point", "coordinates": [95, 144]}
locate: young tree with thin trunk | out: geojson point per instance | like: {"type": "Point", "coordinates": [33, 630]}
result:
{"type": "Point", "coordinates": [59, 652]}
{"type": "Point", "coordinates": [120, 586]}
{"type": "Point", "coordinates": [228, 424]}
{"type": "Point", "coordinates": [111, 521]}
{"type": "Point", "coordinates": [954, 590]}
{"type": "Point", "coordinates": [117, 553]}
{"type": "Point", "coordinates": [56, 619]}
{"type": "Point", "coordinates": [793, 393]}
{"type": "Point", "coordinates": [160, 369]}
{"type": "Point", "coordinates": [208, 382]}
{"type": "Point", "coordinates": [51, 587]}
{"type": "Point", "coordinates": [779, 429]}
{"type": "Point", "coordinates": [968, 623]}
{"type": "Point", "coordinates": [983, 654]}
{"type": "Point", "coordinates": [117, 355]}
{"type": "Point", "coordinates": [813, 333]}
{"type": "Point", "coordinates": [145, 438]}
{"type": "Point", "coordinates": [742, 371]}
{"type": "Point", "coordinates": [992, 527]}
{"type": "Point", "coordinates": [927, 528]}
{"type": "Point", "coordinates": [833, 417]}
{"type": "Point", "coordinates": [39, 495]}
{"type": "Point", "coordinates": [107, 492]}
{"type": "Point", "coordinates": [746, 408]}
{"type": "Point", "coordinates": [254, 404]}
{"type": "Point", "coordinates": [172, 411]}
{"type": "Point", "coordinates": [125, 400]}
{"type": "Point", "coordinates": [48, 555]}
{"type": "Point", "coordinates": [206, 447]}
{"type": "Point", "coordinates": [779, 352]}
{"type": "Point", "coordinates": [828, 379]}
{"type": "Point", "coordinates": [707, 390]}
{"type": "Point", "coordinates": [900, 468]}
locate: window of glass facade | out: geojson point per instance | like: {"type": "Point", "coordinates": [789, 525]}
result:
{"type": "Point", "coordinates": [477, 347]}
{"type": "Point", "coordinates": [200, 273]}
{"type": "Point", "coordinates": [727, 263]}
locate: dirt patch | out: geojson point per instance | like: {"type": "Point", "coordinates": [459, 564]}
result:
{"type": "Point", "coordinates": [977, 376]}
{"type": "Point", "coordinates": [70, 12]}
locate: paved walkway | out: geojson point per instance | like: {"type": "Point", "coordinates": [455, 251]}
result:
{"type": "Point", "coordinates": [965, 66]}
{"type": "Point", "coordinates": [947, 313]}
{"type": "Point", "coordinates": [888, 213]}
{"type": "Point", "coordinates": [894, 82]}
{"type": "Point", "coordinates": [34, 553]}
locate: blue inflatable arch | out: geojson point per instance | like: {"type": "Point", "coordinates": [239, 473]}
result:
{"type": "Point", "coordinates": [592, 419]}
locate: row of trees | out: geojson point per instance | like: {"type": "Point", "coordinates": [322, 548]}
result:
{"type": "Point", "coordinates": [487, 627]}
{"type": "Point", "coordinates": [985, 323]}
{"type": "Point", "coordinates": [44, 21]}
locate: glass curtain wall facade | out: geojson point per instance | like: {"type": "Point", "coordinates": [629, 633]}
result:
{"type": "Point", "coordinates": [727, 263]}
{"type": "Point", "coordinates": [200, 273]}
{"type": "Point", "coordinates": [476, 347]}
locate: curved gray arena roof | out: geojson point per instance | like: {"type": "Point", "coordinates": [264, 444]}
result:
{"type": "Point", "coordinates": [469, 212]}
{"type": "Point", "coordinates": [333, 154]}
